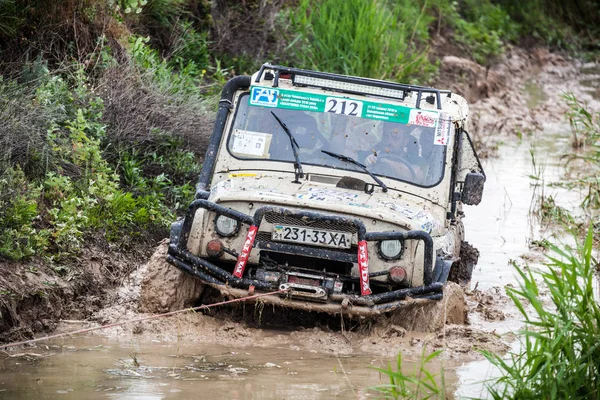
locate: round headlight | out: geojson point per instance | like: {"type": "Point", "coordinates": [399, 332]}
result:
{"type": "Point", "coordinates": [390, 249]}
{"type": "Point", "coordinates": [226, 226]}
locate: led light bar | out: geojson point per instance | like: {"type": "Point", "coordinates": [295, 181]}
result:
{"type": "Point", "coordinates": [348, 87]}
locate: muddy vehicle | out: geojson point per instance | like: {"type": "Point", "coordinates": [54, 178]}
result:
{"type": "Point", "coordinates": [344, 192]}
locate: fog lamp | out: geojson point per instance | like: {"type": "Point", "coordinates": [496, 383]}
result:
{"type": "Point", "coordinates": [390, 249]}
{"type": "Point", "coordinates": [226, 226]}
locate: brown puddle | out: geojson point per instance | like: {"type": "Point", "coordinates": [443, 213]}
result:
{"type": "Point", "coordinates": [100, 368]}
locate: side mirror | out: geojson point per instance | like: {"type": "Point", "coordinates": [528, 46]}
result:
{"type": "Point", "coordinates": [473, 188]}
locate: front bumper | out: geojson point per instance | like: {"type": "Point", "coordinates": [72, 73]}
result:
{"type": "Point", "coordinates": [179, 256]}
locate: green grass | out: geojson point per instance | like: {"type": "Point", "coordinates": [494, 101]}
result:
{"type": "Point", "coordinates": [363, 38]}
{"type": "Point", "coordinates": [561, 339]}
{"type": "Point", "coordinates": [584, 161]}
{"type": "Point", "coordinates": [418, 384]}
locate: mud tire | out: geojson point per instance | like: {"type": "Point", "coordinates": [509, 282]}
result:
{"type": "Point", "coordinates": [166, 288]}
{"type": "Point", "coordinates": [462, 271]}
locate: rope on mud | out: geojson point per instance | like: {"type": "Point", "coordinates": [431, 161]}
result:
{"type": "Point", "coordinates": [167, 314]}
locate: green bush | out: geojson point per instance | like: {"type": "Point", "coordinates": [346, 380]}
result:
{"type": "Point", "coordinates": [562, 24]}
{"type": "Point", "coordinates": [19, 236]}
{"type": "Point", "coordinates": [78, 189]}
{"type": "Point", "coordinates": [482, 27]}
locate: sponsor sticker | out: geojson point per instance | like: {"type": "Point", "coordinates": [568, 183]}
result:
{"type": "Point", "coordinates": [427, 119]}
{"type": "Point", "coordinates": [442, 131]}
{"type": "Point", "coordinates": [240, 266]}
{"type": "Point", "coordinates": [266, 97]}
{"type": "Point", "coordinates": [221, 187]}
{"type": "Point", "coordinates": [317, 194]}
{"type": "Point", "coordinates": [363, 268]}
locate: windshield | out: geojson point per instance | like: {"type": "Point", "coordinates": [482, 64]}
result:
{"type": "Point", "coordinates": [406, 152]}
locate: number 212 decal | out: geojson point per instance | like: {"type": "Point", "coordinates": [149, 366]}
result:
{"type": "Point", "coordinates": [345, 107]}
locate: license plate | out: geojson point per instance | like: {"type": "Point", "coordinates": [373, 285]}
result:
{"type": "Point", "coordinates": [316, 237]}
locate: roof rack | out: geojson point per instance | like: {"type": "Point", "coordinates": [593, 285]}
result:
{"type": "Point", "coordinates": [391, 89]}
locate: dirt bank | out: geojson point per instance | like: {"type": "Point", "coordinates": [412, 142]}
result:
{"type": "Point", "coordinates": [35, 296]}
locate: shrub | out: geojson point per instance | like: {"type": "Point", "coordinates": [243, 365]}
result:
{"type": "Point", "coordinates": [19, 236]}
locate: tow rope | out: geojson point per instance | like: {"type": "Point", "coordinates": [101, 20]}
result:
{"type": "Point", "coordinates": [167, 314]}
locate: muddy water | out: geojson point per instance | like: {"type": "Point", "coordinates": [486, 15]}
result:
{"type": "Point", "coordinates": [504, 227]}
{"type": "Point", "coordinates": [94, 367]}
{"type": "Point", "coordinates": [134, 367]}
{"type": "Point", "coordinates": [98, 368]}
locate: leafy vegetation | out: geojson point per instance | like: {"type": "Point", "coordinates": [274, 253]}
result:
{"type": "Point", "coordinates": [73, 189]}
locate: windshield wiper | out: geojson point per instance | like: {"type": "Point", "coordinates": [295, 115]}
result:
{"type": "Point", "coordinates": [353, 161]}
{"type": "Point", "coordinates": [297, 165]}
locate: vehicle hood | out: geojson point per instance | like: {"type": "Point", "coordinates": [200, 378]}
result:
{"type": "Point", "coordinates": [402, 209]}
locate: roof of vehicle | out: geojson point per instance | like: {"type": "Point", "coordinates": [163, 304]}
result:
{"type": "Point", "coordinates": [412, 96]}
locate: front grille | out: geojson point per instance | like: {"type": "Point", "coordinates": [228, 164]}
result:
{"type": "Point", "coordinates": [305, 262]}
{"type": "Point", "coordinates": [281, 219]}
{"type": "Point", "coordinates": [265, 239]}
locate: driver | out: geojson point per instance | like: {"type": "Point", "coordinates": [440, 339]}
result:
{"type": "Point", "coordinates": [394, 154]}
{"type": "Point", "coordinates": [304, 129]}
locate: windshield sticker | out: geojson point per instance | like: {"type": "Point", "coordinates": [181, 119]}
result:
{"type": "Point", "coordinates": [443, 130]}
{"type": "Point", "coordinates": [264, 97]}
{"type": "Point", "coordinates": [251, 143]}
{"type": "Point", "coordinates": [423, 118]}
{"type": "Point", "coordinates": [327, 195]}
{"type": "Point", "coordinates": [296, 100]}
{"type": "Point", "coordinates": [387, 112]}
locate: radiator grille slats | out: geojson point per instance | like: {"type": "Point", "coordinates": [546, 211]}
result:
{"type": "Point", "coordinates": [281, 219]}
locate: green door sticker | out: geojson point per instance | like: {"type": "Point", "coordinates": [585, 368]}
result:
{"type": "Point", "coordinates": [296, 100]}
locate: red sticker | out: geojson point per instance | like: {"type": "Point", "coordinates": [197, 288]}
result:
{"type": "Point", "coordinates": [423, 118]}
{"type": "Point", "coordinates": [363, 267]}
{"type": "Point", "coordinates": [243, 257]}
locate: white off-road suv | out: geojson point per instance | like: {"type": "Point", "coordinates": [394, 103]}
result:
{"type": "Point", "coordinates": [344, 192]}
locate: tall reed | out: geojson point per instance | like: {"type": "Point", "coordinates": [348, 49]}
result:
{"type": "Point", "coordinates": [560, 354]}
{"type": "Point", "coordinates": [357, 37]}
